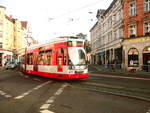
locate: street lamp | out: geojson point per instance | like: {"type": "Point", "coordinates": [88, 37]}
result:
{"type": "Point", "coordinates": [105, 53]}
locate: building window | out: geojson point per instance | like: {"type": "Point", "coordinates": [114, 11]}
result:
{"type": "Point", "coordinates": [115, 34]}
{"type": "Point", "coordinates": [1, 45]}
{"type": "Point", "coordinates": [132, 9]}
{"type": "Point", "coordinates": [147, 28]}
{"type": "Point", "coordinates": [1, 34]}
{"type": "Point", "coordinates": [1, 22]}
{"type": "Point", "coordinates": [132, 30]}
{"type": "Point", "coordinates": [147, 5]}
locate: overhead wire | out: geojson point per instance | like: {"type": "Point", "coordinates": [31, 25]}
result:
{"type": "Point", "coordinates": [76, 10]}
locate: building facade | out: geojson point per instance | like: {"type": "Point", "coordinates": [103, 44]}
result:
{"type": "Point", "coordinates": [136, 45]}
{"type": "Point", "coordinates": [12, 36]}
{"type": "Point", "coordinates": [4, 37]}
{"type": "Point", "coordinates": [107, 35]}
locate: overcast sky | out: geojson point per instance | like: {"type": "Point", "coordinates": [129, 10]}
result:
{"type": "Point", "coordinates": [53, 18]}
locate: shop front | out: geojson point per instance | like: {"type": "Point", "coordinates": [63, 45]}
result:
{"type": "Point", "coordinates": [136, 54]}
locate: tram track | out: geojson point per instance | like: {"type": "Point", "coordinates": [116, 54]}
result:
{"type": "Point", "coordinates": [99, 85]}
{"type": "Point", "coordinates": [113, 89]}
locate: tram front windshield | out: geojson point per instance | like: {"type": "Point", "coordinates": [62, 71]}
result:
{"type": "Point", "coordinates": [77, 56]}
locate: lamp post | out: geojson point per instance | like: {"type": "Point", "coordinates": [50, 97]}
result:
{"type": "Point", "coordinates": [105, 53]}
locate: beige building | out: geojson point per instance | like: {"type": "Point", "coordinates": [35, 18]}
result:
{"type": "Point", "coordinates": [8, 34]}
{"type": "Point", "coordinates": [20, 34]}
{"type": "Point", "coordinates": [107, 34]}
{"type": "Point", "coordinates": [13, 35]}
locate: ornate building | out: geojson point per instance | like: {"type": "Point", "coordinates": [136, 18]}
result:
{"type": "Point", "coordinates": [136, 45]}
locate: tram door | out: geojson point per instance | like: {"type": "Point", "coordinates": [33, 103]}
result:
{"type": "Point", "coordinates": [60, 60]}
{"type": "Point", "coordinates": [35, 61]}
{"type": "Point", "coordinates": [146, 61]}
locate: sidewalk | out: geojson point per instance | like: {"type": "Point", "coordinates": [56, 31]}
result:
{"type": "Point", "coordinates": [97, 69]}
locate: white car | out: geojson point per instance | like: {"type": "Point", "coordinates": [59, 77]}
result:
{"type": "Point", "coordinates": [10, 65]}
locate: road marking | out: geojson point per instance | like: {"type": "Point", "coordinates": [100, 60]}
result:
{"type": "Point", "coordinates": [113, 76]}
{"type": "Point", "coordinates": [148, 111]}
{"type": "Point", "coordinates": [5, 94]}
{"type": "Point", "coordinates": [48, 103]}
{"type": "Point", "coordinates": [30, 91]}
{"type": "Point", "coordinates": [46, 111]}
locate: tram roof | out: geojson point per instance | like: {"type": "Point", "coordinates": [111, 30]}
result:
{"type": "Point", "coordinates": [56, 40]}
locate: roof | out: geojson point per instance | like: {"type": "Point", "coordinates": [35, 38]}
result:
{"type": "Point", "coordinates": [111, 5]}
{"type": "Point", "coordinates": [100, 12]}
{"type": "Point", "coordinates": [94, 26]}
{"type": "Point", "coordinates": [55, 40]}
{"type": "Point", "coordinates": [2, 7]}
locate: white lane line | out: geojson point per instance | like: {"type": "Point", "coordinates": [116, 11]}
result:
{"type": "Point", "coordinates": [5, 94]}
{"type": "Point", "coordinates": [46, 111]}
{"type": "Point", "coordinates": [113, 76]}
{"type": "Point", "coordinates": [48, 103]}
{"type": "Point", "coordinates": [148, 111]}
{"type": "Point", "coordinates": [30, 91]}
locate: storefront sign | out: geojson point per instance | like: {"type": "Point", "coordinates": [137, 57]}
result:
{"type": "Point", "coordinates": [142, 39]}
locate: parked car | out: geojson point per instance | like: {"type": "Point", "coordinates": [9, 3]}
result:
{"type": "Point", "coordinates": [10, 65]}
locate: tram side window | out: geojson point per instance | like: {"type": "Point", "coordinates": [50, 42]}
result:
{"type": "Point", "coordinates": [29, 59]}
{"type": "Point", "coordinates": [62, 56]}
{"type": "Point", "coordinates": [41, 58]}
{"type": "Point", "coordinates": [48, 55]}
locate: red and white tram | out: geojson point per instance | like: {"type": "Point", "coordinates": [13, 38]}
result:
{"type": "Point", "coordinates": [61, 58]}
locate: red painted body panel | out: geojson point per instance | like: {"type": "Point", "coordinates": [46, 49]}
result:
{"type": "Point", "coordinates": [59, 76]}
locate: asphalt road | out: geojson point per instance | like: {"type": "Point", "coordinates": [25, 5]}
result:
{"type": "Point", "coordinates": [20, 93]}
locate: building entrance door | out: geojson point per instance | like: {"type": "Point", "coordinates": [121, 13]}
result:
{"type": "Point", "coordinates": [0, 59]}
{"type": "Point", "coordinates": [146, 59]}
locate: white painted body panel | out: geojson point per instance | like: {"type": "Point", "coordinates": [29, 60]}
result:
{"type": "Point", "coordinates": [53, 69]}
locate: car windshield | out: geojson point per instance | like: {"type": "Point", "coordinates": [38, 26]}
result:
{"type": "Point", "coordinates": [77, 55]}
{"type": "Point", "coordinates": [11, 63]}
